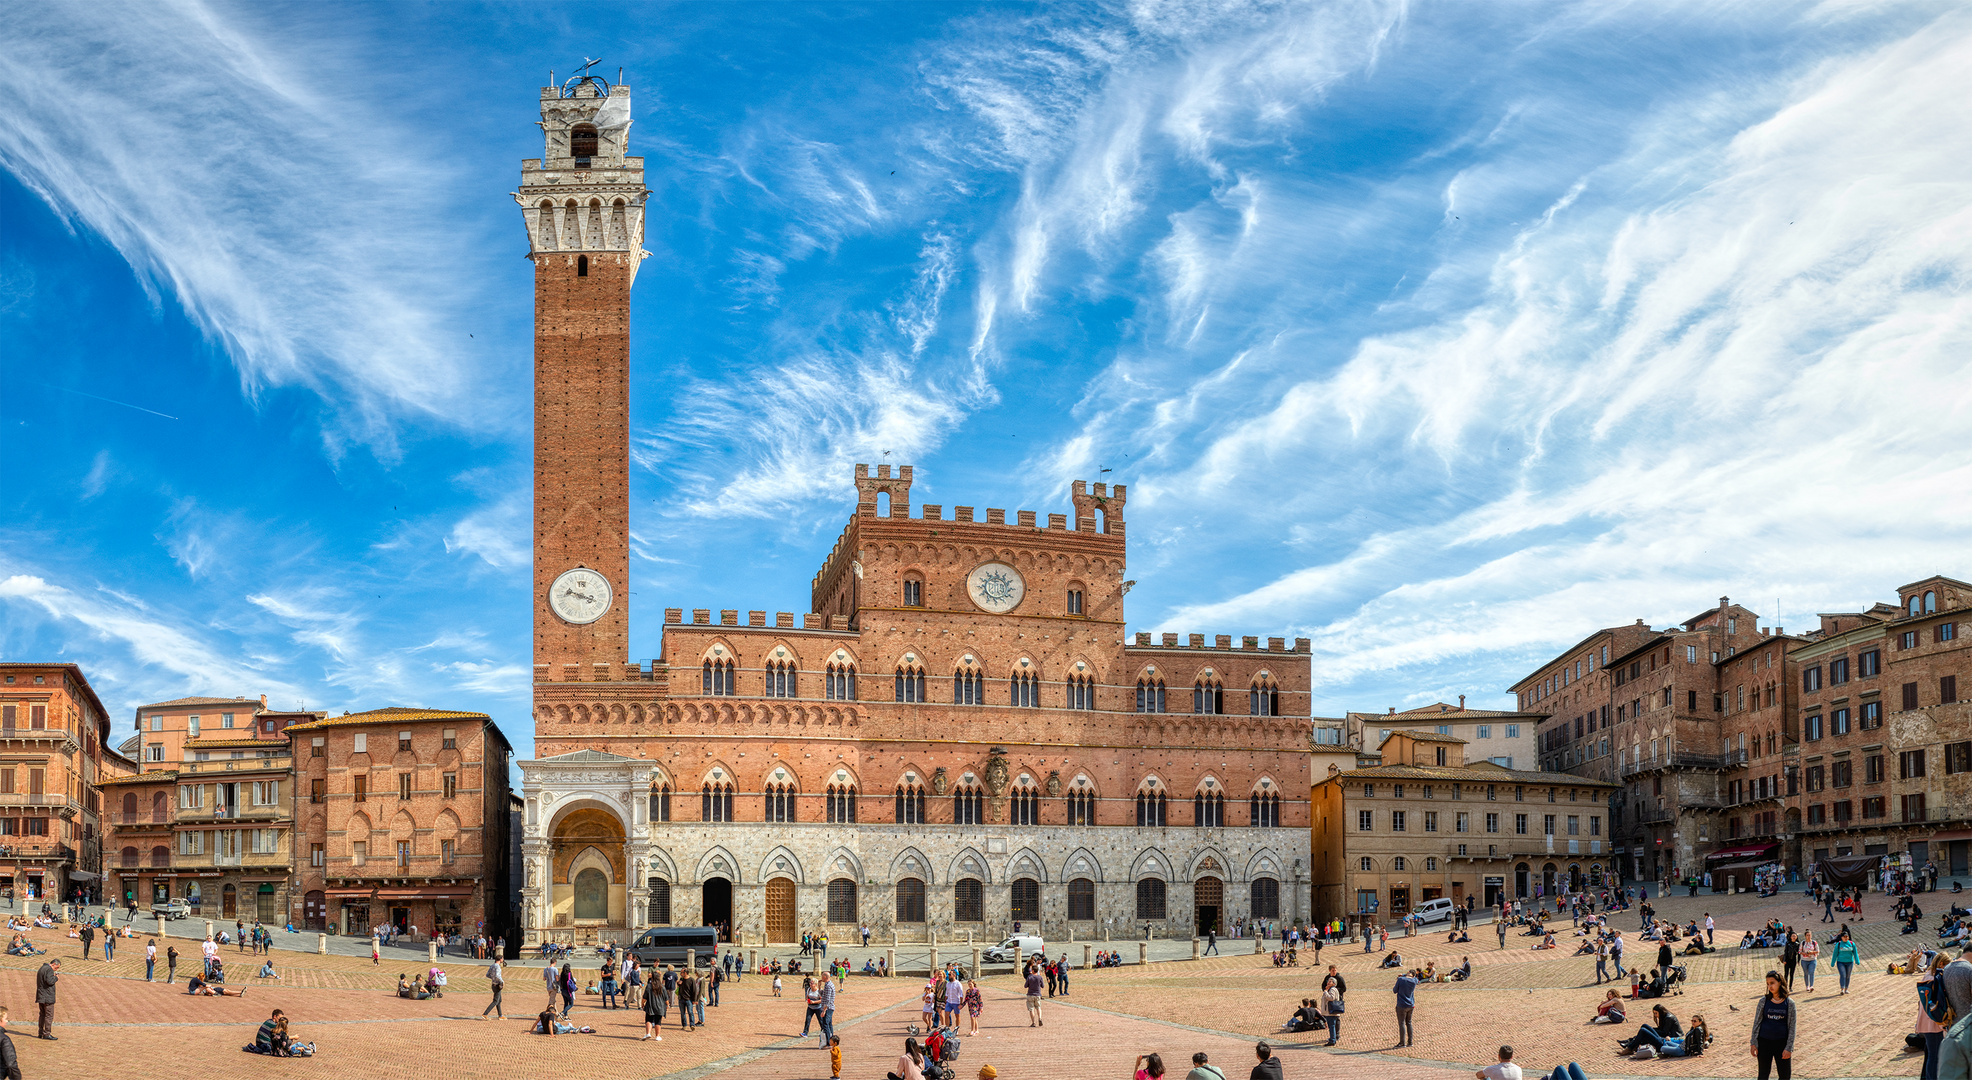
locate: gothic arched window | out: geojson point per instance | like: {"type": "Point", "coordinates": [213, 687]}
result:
{"type": "Point", "coordinates": [1026, 806]}
{"type": "Point", "coordinates": [660, 801]}
{"type": "Point", "coordinates": [1208, 808]}
{"type": "Point", "coordinates": [968, 687]}
{"type": "Point", "coordinates": [718, 678]}
{"type": "Point", "coordinates": [910, 804]}
{"type": "Point", "coordinates": [1081, 692]}
{"type": "Point", "coordinates": [968, 805]}
{"type": "Point", "coordinates": [1208, 696]}
{"type": "Point", "coordinates": [842, 804]}
{"type": "Point", "coordinates": [1150, 808]}
{"type": "Point", "coordinates": [1263, 699]}
{"type": "Point", "coordinates": [842, 682]}
{"type": "Point", "coordinates": [715, 802]}
{"type": "Point", "coordinates": [1081, 806]}
{"type": "Point", "coordinates": [1150, 695]}
{"type": "Point", "coordinates": [1025, 690]}
{"type": "Point", "coordinates": [780, 679]}
{"type": "Point", "coordinates": [910, 684]}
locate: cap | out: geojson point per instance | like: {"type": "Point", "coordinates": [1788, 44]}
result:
{"type": "Point", "coordinates": [987, 1072]}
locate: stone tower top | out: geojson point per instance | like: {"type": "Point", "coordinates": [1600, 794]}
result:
{"type": "Point", "coordinates": [585, 193]}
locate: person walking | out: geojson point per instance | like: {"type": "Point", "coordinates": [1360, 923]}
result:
{"type": "Point", "coordinates": [1499, 927]}
{"type": "Point", "coordinates": [567, 987]}
{"type": "Point", "coordinates": [1810, 952]}
{"type": "Point", "coordinates": [975, 1002]}
{"type": "Point", "coordinates": [496, 975]}
{"type": "Point", "coordinates": [1772, 1041]}
{"type": "Point", "coordinates": [1790, 956]}
{"type": "Point", "coordinates": [88, 937]}
{"type": "Point", "coordinates": [1931, 992]}
{"type": "Point", "coordinates": [1601, 960]}
{"type": "Point", "coordinates": [552, 980]}
{"type": "Point", "coordinates": [1211, 941]}
{"type": "Point", "coordinates": [376, 951]}
{"type": "Point", "coordinates": [1616, 953]}
{"type": "Point", "coordinates": [826, 1006]}
{"type": "Point", "coordinates": [109, 943]}
{"type": "Point", "coordinates": [1331, 1004]}
{"type": "Point", "coordinates": [1406, 991]}
{"type": "Point", "coordinates": [1828, 905]}
{"type": "Point", "coordinates": [44, 996]}
{"type": "Point", "coordinates": [1709, 928]}
{"type": "Point", "coordinates": [1844, 955]}
{"type": "Point", "coordinates": [150, 961]}
{"type": "Point", "coordinates": [654, 1012]}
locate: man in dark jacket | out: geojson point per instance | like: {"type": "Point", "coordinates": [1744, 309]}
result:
{"type": "Point", "coordinates": [1269, 1066]}
{"type": "Point", "coordinates": [44, 996]}
{"type": "Point", "coordinates": [1665, 1024]}
{"type": "Point", "coordinates": [10, 1062]}
{"type": "Point", "coordinates": [88, 936]}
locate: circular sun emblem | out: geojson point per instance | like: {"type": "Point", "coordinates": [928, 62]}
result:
{"type": "Point", "coordinates": [995, 587]}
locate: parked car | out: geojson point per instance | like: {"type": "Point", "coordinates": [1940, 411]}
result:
{"type": "Point", "coordinates": [668, 945]}
{"type": "Point", "coordinates": [1012, 949]}
{"type": "Point", "coordinates": [1435, 910]}
{"type": "Point", "coordinates": [172, 909]}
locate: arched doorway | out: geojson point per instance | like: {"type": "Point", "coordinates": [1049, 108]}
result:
{"type": "Point", "coordinates": [716, 902]}
{"type": "Point", "coordinates": [1209, 899]}
{"type": "Point", "coordinates": [590, 868]}
{"type": "Point", "coordinates": [780, 911]}
{"type": "Point", "coordinates": [1547, 879]}
{"type": "Point", "coordinates": [1575, 877]}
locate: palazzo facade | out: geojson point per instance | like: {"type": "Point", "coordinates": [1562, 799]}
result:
{"type": "Point", "coordinates": [956, 736]}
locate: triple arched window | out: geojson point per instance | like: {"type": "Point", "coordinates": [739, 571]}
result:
{"type": "Point", "coordinates": [968, 687]}
{"type": "Point", "coordinates": [780, 678]}
{"type": "Point", "coordinates": [910, 804]}
{"type": "Point", "coordinates": [842, 804]}
{"type": "Point", "coordinates": [718, 678]}
{"type": "Point", "coordinates": [780, 802]}
{"type": "Point", "coordinates": [715, 802]}
{"type": "Point", "coordinates": [1263, 699]}
{"type": "Point", "coordinates": [1264, 810]}
{"type": "Point", "coordinates": [841, 679]}
{"type": "Point", "coordinates": [1150, 695]}
{"type": "Point", "coordinates": [910, 684]}
{"type": "Point", "coordinates": [1081, 806]}
{"type": "Point", "coordinates": [1150, 808]}
{"type": "Point", "coordinates": [969, 805]}
{"type": "Point", "coordinates": [1026, 690]}
{"type": "Point", "coordinates": [1208, 696]}
{"type": "Point", "coordinates": [1208, 809]}
{"type": "Point", "coordinates": [1026, 806]}
{"type": "Point", "coordinates": [1081, 692]}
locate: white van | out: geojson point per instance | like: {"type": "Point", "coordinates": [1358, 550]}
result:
{"type": "Point", "coordinates": [1013, 949]}
{"type": "Point", "coordinates": [1435, 910]}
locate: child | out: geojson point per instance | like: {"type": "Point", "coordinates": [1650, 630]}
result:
{"type": "Point", "coordinates": [835, 1057]}
{"type": "Point", "coordinates": [777, 985]}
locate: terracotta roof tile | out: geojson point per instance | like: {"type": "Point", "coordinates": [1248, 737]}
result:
{"type": "Point", "coordinates": [392, 715]}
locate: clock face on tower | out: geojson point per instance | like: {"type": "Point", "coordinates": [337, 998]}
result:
{"type": "Point", "coordinates": [995, 587]}
{"type": "Point", "coordinates": [580, 596]}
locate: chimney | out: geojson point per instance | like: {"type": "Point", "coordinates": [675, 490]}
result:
{"type": "Point", "coordinates": [1393, 710]}
{"type": "Point", "coordinates": [263, 701]}
{"type": "Point", "coordinates": [1461, 703]}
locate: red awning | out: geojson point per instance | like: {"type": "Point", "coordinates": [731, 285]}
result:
{"type": "Point", "coordinates": [432, 892]}
{"type": "Point", "coordinates": [1741, 852]}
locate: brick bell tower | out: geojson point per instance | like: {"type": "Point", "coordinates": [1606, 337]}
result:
{"type": "Point", "coordinates": [583, 202]}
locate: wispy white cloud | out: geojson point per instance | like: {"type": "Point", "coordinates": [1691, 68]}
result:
{"type": "Point", "coordinates": [1724, 371]}
{"type": "Point", "coordinates": [242, 182]}
{"type": "Point", "coordinates": [497, 533]}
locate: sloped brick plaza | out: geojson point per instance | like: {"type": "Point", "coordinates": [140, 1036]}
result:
{"type": "Point", "coordinates": [111, 1023]}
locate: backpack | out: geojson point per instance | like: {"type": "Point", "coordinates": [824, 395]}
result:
{"type": "Point", "coordinates": [1937, 1005]}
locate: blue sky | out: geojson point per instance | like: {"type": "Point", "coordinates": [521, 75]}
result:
{"type": "Point", "coordinates": [1438, 333]}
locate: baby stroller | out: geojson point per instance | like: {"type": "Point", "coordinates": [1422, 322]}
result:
{"type": "Point", "coordinates": [1674, 980]}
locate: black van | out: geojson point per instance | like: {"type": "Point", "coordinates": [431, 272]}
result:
{"type": "Point", "coordinates": [668, 944]}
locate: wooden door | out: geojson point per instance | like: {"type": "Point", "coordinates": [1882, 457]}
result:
{"type": "Point", "coordinates": [1209, 898]}
{"type": "Point", "coordinates": [781, 927]}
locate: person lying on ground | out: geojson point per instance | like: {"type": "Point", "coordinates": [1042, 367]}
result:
{"type": "Point", "coordinates": [200, 988]}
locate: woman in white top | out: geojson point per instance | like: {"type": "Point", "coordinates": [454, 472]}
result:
{"type": "Point", "coordinates": [1810, 952]}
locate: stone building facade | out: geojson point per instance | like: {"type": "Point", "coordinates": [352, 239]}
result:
{"type": "Point", "coordinates": [1426, 824]}
{"type": "Point", "coordinates": [401, 818]}
{"type": "Point", "coordinates": [54, 736]}
{"type": "Point", "coordinates": [955, 737]}
{"type": "Point", "coordinates": [1507, 739]}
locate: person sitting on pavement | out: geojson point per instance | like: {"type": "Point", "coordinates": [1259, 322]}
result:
{"type": "Point", "coordinates": [1690, 1044]}
{"type": "Point", "coordinates": [1664, 1025]}
{"type": "Point", "coordinates": [267, 969]}
{"type": "Point", "coordinates": [1461, 972]}
{"type": "Point", "coordinates": [1305, 1018]}
{"type": "Point", "coordinates": [1391, 960]}
{"type": "Point", "coordinates": [198, 987]}
{"type": "Point", "coordinates": [1546, 942]}
{"type": "Point", "coordinates": [1611, 1009]}
{"type": "Point", "coordinates": [407, 989]}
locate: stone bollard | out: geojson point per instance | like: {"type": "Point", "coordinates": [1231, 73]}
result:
{"type": "Point", "coordinates": [1105, 935]}
{"type": "Point", "coordinates": [1194, 948]}
{"type": "Point", "coordinates": [1143, 952]}
{"type": "Point", "coordinates": [975, 961]}
{"type": "Point", "coordinates": [431, 951]}
{"type": "Point", "coordinates": [752, 960]}
{"type": "Point", "coordinates": [890, 961]}
{"type": "Point", "coordinates": [691, 960]}
{"type": "Point", "coordinates": [896, 937]}
{"type": "Point", "coordinates": [968, 937]}
{"type": "Point", "coordinates": [1088, 956]}
{"type": "Point", "coordinates": [931, 936]}
{"type": "Point", "coordinates": [163, 927]}
{"type": "Point", "coordinates": [932, 964]}
{"type": "Point", "coordinates": [208, 928]}
{"type": "Point", "coordinates": [1259, 946]}
{"type": "Point", "coordinates": [322, 944]}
